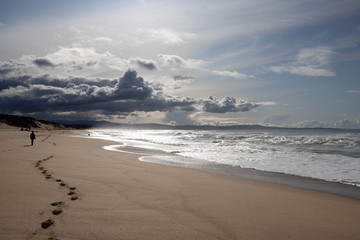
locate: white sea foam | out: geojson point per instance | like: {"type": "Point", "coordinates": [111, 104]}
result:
{"type": "Point", "coordinates": [324, 154]}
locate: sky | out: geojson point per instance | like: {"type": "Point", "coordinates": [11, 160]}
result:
{"type": "Point", "coordinates": [206, 62]}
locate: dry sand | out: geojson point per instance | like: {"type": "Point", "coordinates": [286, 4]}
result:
{"type": "Point", "coordinates": [115, 196]}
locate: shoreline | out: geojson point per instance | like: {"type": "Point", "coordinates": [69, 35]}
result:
{"type": "Point", "coordinates": [308, 183]}
{"type": "Point", "coordinates": [120, 197]}
{"type": "Point", "coordinates": [286, 179]}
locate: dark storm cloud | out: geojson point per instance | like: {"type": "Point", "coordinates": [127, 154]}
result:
{"type": "Point", "coordinates": [147, 64]}
{"type": "Point", "coordinates": [6, 68]}
{"type": "Point", "coordinates": [42, 62]}
{"type": "Point", "coordinates": [50, 81]}
{"type": "Point", "coordinates": [151, 104]}
{"type": "Point", "coordinates": [23, 90]}
{"type": "Point", "coordinates": [128, 94]}
{"type": "Point", "coordinates": [47, 80]}
{"type": "Point", "coordinates": [5, 71]}
{"type": "Point", "coordinates": [227, 104]}
{"type": "Point", "coordinates": [11, 82]}
{"type": "Point", "coordinates": [132, 87]}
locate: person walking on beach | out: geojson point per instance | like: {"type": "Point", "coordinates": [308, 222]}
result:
{"type": "Point", "coordinates": [32, 137]}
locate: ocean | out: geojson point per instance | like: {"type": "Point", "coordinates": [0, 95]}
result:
{"type": "Point", "coordinates": [327, 154]}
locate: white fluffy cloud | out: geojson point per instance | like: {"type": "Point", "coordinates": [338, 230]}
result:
{"type": "Point", "coordinates": [343, 123]}
{"type": "Point", "coordinates": [348, 123]}
{"type": "Point", "coordinates": [277, 119]}
{"type": "Point", "coordinates": [77, 58]}
{"type": "Point", "coordinates": [177, 61]}
{"type": "Point", "coordinates": [77, 61]}
{"type": "Point", "coordinates": [227, 104]}
{"type": "Point", "coordinates": [162, 35]}
{"type": "Point", "coordinates": [309, 62]}
{"type": "Point", "coordinates": [233, 74]}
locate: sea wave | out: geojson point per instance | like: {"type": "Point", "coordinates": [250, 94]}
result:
{"type": "Point", "coordinates": [333, 156]}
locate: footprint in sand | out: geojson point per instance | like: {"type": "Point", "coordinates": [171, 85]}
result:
{"type": "Point", "coordinates": [53, 238]}
{"type": "Point", "coordinates": [57, 203]}
{"type": "Point", "coordinates": [47, 223]}
{"type": "Point", "coordinates": [56, 211]}
{"type": "Point", "coordinates": [71, 193]}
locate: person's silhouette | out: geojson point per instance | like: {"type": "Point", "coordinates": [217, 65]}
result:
{"type": "Point", "coordinates": [32, 137]}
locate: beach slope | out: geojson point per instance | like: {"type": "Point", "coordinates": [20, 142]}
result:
{"type": "Point", "coordinates": [66, 187]}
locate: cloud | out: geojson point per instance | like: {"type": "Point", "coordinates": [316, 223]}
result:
{"type": "Point", "coordinates": [146, 64]}
{"type": "Point", "coordinates": [171, 59]}
{"type": "Point", "coordinates": [183, 78]}
{"type": "Point", "coordinates": [42, 62]}
{"type": "Point", "coordinates": [227, 104]}
{"type": "Point", "coordinates": [308, 62]}
{"type": "Point", "coordinates": [279, 119]}
{"type": "Point", "coordinates": [303, 71]}
{"type": "Point", "coordinates": [318, 56]}
{"type": "Point", "coordinates": [104, 40]}
{"type": "Point", "coordinates": [163, 35]}
{"type": "Point", "coordinates": [269, 103]}
{"type": "Point", "coordinates": [46, 94]}
{"type": "Point", "coordinates": [174, 118]}
{"type": "Point", "coordinates": [276, 119]}
{"type": "Point", "coordinates": [233, 74]}
{"type": "Point", "coordinates": [5, 69]}
{"type": "Point", "coordinates": [177, 61]}
{"type": "Point", "coordinates": [182, 81]}
{"type": "Point", "coordinates": [352, 91]}
{"type": "Point", "coordinates": [86, 62]}
{"type": "Point", "coordinates": [132, 87]}
{"type": "Point", "coordinates": [168, 83]}
{"type": "Point", "coordinates": [75, 91]}
{"type": "Point", "coordinates": [348, 123]}
{"type": "Point", "coordinates": [76, 61]}
{"type": "Point", "coordinates": [314, 124]}
{"type": "Point", "coordinates": [41, 86]}
{"type": "Point", "coordinates": [77, 58]}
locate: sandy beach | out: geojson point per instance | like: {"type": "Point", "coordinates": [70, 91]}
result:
{"type": "Point", "coordinates": [66, 187]}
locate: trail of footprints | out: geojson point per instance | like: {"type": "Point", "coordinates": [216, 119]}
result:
{"type": "Point", "coordinates": [58, 206]}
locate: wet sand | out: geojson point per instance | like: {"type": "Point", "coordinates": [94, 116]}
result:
{"type": "Point", "coordinates": [70, 188]}
{"type": "Point", "coordinates": [308, 183]}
